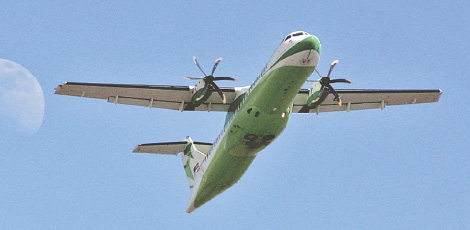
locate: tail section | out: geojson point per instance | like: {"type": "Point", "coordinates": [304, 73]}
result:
{"type": "Point", "coordinates": [193, 154]}
{"type": "Point", "coordinates": [192, 158]}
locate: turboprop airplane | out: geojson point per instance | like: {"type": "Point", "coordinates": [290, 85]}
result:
{"type": "Point", "coordinates": [256, 114]}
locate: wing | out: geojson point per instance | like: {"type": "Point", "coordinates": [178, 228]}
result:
{"type": "Point", "coordinates": [152, 96]}
{"type": "Point", "coordinates": [366, 99]}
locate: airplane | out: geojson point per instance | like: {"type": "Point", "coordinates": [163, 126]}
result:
{"type": "Point", "coordinates": [256, 114]}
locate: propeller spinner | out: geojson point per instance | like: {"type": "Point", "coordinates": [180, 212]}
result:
{"type": "Point", "coordinates": [209, 80]}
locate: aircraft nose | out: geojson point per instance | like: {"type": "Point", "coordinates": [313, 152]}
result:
{"type": "Point", "coordinates": [311, 43]}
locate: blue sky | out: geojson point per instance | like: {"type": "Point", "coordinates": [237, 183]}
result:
{"type": "Point", "coordinates": [406, 167]}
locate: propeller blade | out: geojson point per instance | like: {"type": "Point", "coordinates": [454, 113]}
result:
{"type": "Point", "coordinates": [219, 91]}
{"type": "Point", "coordinates": [331, 67]}
{"type": "Point", "coordinates": [193, 78]}
{"type": "Point", "coordinates": [215, 65]}
{"type": "Point", "coordinates": [312, 81]}
{"type": "Point", "coordinates": [341, 81]}
{"type": "Point", "coordinates": [337, 98]}
{"type": "Point", "coordinates": [225, 78]}
{"type": "Point", "coordinates": [318, 73]}
{"type": "Point", "coordinates": [195, 62]}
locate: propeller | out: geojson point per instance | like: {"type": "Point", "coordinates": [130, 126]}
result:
{"type": "Point", "coordinates": [327, 81]}
{"type": "Point", "coordinates": [209, 80]}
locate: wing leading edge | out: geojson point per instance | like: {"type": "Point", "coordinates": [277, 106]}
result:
{"type": "Point", "coordinates": [152, 96]}
{"type": "Point", "coordinates": [366, 99]}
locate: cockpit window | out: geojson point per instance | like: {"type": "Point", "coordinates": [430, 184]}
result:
{"type": "Point", "coordinates": [287, 38]}
{"type": "Point", "coordinates": [299, 33]}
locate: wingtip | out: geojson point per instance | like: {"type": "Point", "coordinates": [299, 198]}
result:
{"type": "Point", "coordinates": [135, 150]}
{"type": "Point", "coordinates": [58, 88]}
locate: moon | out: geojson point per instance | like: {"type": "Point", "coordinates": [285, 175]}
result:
{"type": "Point", "coordinates": [21, 99]}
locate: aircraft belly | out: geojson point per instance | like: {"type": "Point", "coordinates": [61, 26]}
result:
{"type": "Point", "coordinates": [260, 120]}
{"type": "Point", "coordinates": [265, 113]}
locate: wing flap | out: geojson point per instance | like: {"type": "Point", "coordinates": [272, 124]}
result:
{"type": "Point", "coordinates": [182, 106]}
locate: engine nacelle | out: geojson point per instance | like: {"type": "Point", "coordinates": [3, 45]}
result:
{"type": "Point", "coordinates": [316, 95]}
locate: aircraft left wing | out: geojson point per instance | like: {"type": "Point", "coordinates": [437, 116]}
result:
{"type": "Point", "coordinates": [152, 96]}
{"type": "Point", "coordinates": [365, 99]}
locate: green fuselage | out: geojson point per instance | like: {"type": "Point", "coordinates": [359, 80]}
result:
{"type": "Point", "coordinates": [257, 118]}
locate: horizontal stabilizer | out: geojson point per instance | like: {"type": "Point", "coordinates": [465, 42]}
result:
{"type": "Point", "coordinates": [192, 154]}
{"type": "Point", "coordinates": [172, 148]}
